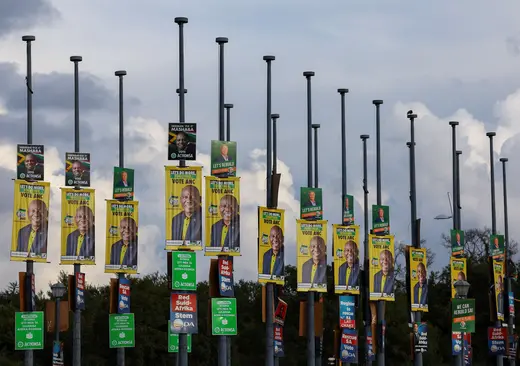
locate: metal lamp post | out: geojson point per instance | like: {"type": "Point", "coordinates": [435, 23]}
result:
{"type": "Point", "coordinates": [58, 291]}
{"type": "Point", "coordinates": [461, 291]}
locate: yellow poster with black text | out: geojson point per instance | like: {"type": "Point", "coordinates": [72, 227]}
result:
{"type": "Point", "coordinates": [78, 230]}
{"type": "Point", "coordinates": [382, 272]}
{"type": "Point", "coordinates": [121, 252]}
{"type": "Point", "coordinates": [346, 259]}
{"type": "Point", "coordinates": [458, 272]}
{"type": "Point", "coordinates": [271, 267]}
{"type": "Point", "coordinates": [183, 201]}
{"type": "Point", "coordinates": [418, 279]}
{"type": "Point", "coordinates": [498, 277]}
{"type": "Point", "coordinates": [311, 244]}
{"type": "Point", "coordinates": [222, 216]}
{"type": "Point", "coordinates": [30, 221]}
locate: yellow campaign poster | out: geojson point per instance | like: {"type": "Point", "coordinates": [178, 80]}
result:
{"type": "Point", "coordinates": [311, 244]}
{"type": "Point", "coordinates": [30, 221]}
{"type": "Point", "coordinates": [498, 277]}
{"type": "Point", "coordinates": [418, 279]}
{"type": "Point", "coordinates": [183, 207]}
{"type": "Point", "coordinates": [222, 216]}
{"type": "Point", "coordinates": [346, 259]}
{"type": "Point", "coordinates": [122, 236]}
{"type": "Point", "coordinates": [382, 275]}
{"type": "Point", "coordinates": [78, 231]}
{"type": "Point", "coordinates": [271, 245]}
{"type": "Point", "coordinates": [458, 272]}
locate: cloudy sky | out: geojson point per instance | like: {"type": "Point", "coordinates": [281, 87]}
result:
{"type": "Point", "coordinates": [455, 61]}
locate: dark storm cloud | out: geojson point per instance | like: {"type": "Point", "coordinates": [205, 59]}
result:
{"type": "Point", "coordinates": [17, 14]}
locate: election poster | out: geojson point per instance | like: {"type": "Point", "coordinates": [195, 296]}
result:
{"type": "Point", "coordinates": [499, 278]}
{"type": "Point", "coordinates": [381, 219]}
{"type": "Point", "coordinates": [418, 279]}
{"type": "Point", "coordinates": [123, 184]}
{"type": "Point", "coordinates": [183, 201]}
{"type": "Point", "coordinates": [183, 313]}
{"type": "Point", "coordinates": [271, 245]}
{"type": "Point", "coordinates": [457, 243]}
{"type": "Point", "coordinates": [420, 337]}
{"type": "Point", "coordinates": [30, 162]}
{"type": "Point", "coordinates": [311, 246]}
{"type": "Point", "coordinates": [382, 275]}
{"type": "Point", "coordinates": [77, 169]}
{"type": "Point", "coordinates": [348, 210]}
{"type": "Point", "coordinates": [346, 259]}
{"type": "Point", "coordinates": [347, 312]}
{"type": "Point", "coordinates": [78, 238]}
{"type": "Point", "coordinates": [497, 338]}
{"type": "Point", "coordinates": [223, 159]}
{"type": "Point", "coordinates": [30, 221]}
{"type": "Point", "coordinates": [349, 346]}
{"type": "Point", "coordinates": [458, 273]}
{"type": "Point", "coordinates": [122, 225]}
{"type": "Point", "coordinates": [182, 141]}
{"type": "Point", "coordinates": [496, 246]}
{"type": "Point", "coordinates": [222, 220]}
{"type": "Point", "coordinates": [311, 204]}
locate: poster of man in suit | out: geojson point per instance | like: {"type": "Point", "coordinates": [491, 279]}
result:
{"type": "Point", "coordinates": [30, 221]}
{"type": "Point", "coordinates": [457, 243]}
{"type": "Point", "coordinates": [222, 222]}
{"type": "Point", "coordinates": [382, 275]}
{"type": "Point", "coordinates": [348, 210]}
{"type": "Point", "coordinates": [418, 279]}
{"type": "Point", "coordinates": [78, 238]}
{"type": "Point", "coordinates": [458, 272]}
{"type": "Point", "coordinates": [223, 159]}
{"type": "Point", "coordinates": [77, 169]}
{"type": "Point", "coordinates": [183, 201]}
{"type": "Point", "coordinates": [121, 252]}
{"type": "Point", "coordinates": [123, 184]}
{"type": "Point", "coordinates": [496, 246]}
{"type": "Point", "coordinates": [381, 219]}
{"type": "Point", "coordinates": [311, 204]}
{"type": "Point", "coordinates": [311, 246]}
{"type": "Point", "coordinates": [498, 277]}
{"type": "Point", "coordinates": [271, 245]}
{"type": "Point", "coordinates": [346, 259]}
{"type": "Point", "coordinates": [30, 162]}
{"type": "Point", "coordinates": [182, 141]}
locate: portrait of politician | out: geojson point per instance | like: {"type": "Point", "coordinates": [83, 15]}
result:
{"type": "Point", "coordinates": [457, 239]}
{"type": "Point", "coordinates": [381, 215]}
{"type": "Point", "coordinates": [349, 271]}
{"type": "Point", "coordinates": [81, 242]}
{"type": "Point", "coordinates": [124, 251]}
{"type": "Point", "coordinates": [311, 201]}
{"type": "Point", "coordinates": [32, 238]}
{"type": "Point", "coordinates": [31, 166]}
{"type": "Point", "coordinates": [416, 335]}
{"type": "Point", "coordinates": [123, 181]}
{"type": "Point", "coordinates": [496, 243]}
{"type": "Point", "coordinates": [186, 225]}
{"type": "Point", "coordinates": [500, 294]}
{"type": "Point", "coordinates": [226, 231]}
{"type": "Point", "coordinates": [420, 290]}
{"type": "Point", "coordinates": [78, 172]}
{"type": "Point", "coordinates": [314, 271]}
{"type": "Point", "coordinates": [181, 145]}
{"type": "Point", "coordinates": [273, 263]}
{"type": "Point", "coordinates": [384, 279]}
{"type": "Point", "coordinates": [222, 158]}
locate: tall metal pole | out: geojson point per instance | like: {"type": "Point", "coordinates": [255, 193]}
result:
{"type": "Point", "coordinates": [311, 341]}
{"type": "Point", "coordinates": [57, 320]}
{"type": "Point", "coordinates": [182, 355]}
{"type": "Point", "coordinates": [76, 340]}
{"type": "Point", "coordinates": [275, 117]}
{"type": "Point", "coordinates": [366, 293]}
{"type": "Point", "coordinates": [29, 265]}
{"type": "Point", "coordinates": [315, 126]}
{"type": "Point", "coordinates": [228, 107]}
{"type": "Point", "coordinates": [120, 74]}
{"type": "Point", "coordinates": [380, 304]}
{"type": "Point", "coordinates": [459, 206]}
{"type": "Point", "coordinates": [454, 125]}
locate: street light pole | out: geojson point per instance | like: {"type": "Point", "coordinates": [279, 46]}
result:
{"type": "Point", "coordinates": [459, 207]}
{"type": "Point", "coordinates": [228, 107]}
{"type": "Point", "coordinates": [366, 291]}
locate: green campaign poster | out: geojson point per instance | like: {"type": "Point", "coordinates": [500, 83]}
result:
{"type": "Point", "coordinates": [123, 185]}
{"type": "Point", "coordinates": [173, 340]}
{"type": "Point", "coordinates": [348, 210]}
{"type": "Point", "coordinates": [463, 315]}
{"type": "Point", "coordinates": [184, 269]}
{"type": "Point", "coordinates": [223, 159]}
{"type": "Point", "coordinates": [121, 330]}
{"type": "Point", "coordinates": [381, 220]}
{"type": "Point", "coordinates": [224, 316]}
{"type": "Point", "coordinates": [496, 245]}
{"type": "Point", "coordinates": [28, 330]}
{"type": "Point", "coordinates": [457, 243]}
{"type": "Point", "coordinates": [311, 204]}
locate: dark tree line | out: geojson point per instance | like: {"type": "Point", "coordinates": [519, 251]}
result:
{"type": "Point", "coordinates": [150, 303]}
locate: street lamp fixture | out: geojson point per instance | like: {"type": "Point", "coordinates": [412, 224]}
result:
{"type": "Point", "coordinates": [442, 217]}
{"type": "Point", "coordinates": [58, 290]}
{"type": "Point", "coordinates": [461, 289]}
